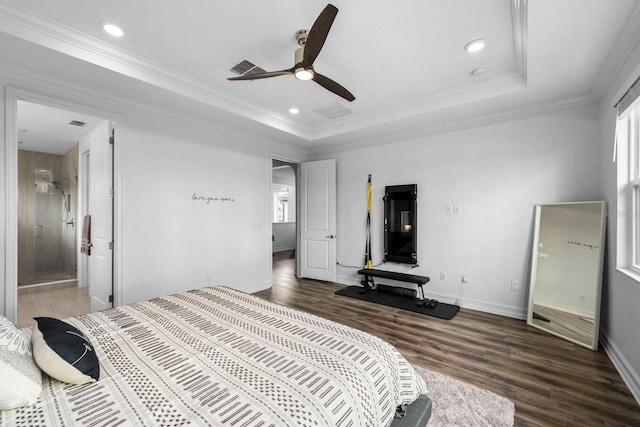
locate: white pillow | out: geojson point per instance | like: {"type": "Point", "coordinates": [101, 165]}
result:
{"type": "Point", "coordinates": [21, 379]}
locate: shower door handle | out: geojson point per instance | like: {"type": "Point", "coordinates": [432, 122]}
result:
{"type": "Point", "coordinates": [39, 231]}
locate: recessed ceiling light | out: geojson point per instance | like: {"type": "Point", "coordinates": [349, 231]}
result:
{"type": "Point", "coordinates": [294, 110]}
{"type": "Point", "coordinates": [475, 46]}
{"type": "Point", "coordinates": [112, 29]}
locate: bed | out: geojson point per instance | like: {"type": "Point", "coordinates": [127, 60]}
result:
{"type": "Point", "coordinates": [217, 356]}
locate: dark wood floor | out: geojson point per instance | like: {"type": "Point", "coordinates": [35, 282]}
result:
{"type": "Point", "coordinates": [551, 381]}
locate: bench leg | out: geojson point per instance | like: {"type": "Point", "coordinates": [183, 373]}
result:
{"type": "Point", "coordinates": [421, 301]}
{"type": "Point", "coordinates": [367, 283]}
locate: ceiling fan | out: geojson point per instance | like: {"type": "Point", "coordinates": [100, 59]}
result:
{"type": "Point", "coordinates": [311, 43]}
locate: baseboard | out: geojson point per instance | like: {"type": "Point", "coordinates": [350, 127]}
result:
{"type": "Point", "coordinates": [347, 280]}
{"type": "Point", "coordinates": [629, 376]}
{"type": "Point", "coordinates": [499, 309]}
{"type": "Point", "coordinates": [256, 287]}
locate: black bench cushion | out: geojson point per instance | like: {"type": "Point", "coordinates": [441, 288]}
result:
{"type": "Point", "coordinates": [392, 275]}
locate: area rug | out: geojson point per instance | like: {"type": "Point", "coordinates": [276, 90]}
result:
{"type": "Point", "coordinates": [456, 403]}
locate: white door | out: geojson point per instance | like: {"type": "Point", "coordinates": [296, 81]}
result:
{"type": "Point", "coordinates": [97, 178]}
{"type": "Point", "coordinates": [318, 220]}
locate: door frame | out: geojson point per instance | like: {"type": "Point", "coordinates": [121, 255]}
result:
{"type": "Point", "coordinates": [297, 173]}
{"type": "Point", "coordinates": [83, 190]}
{"type": "Point", "coordinates": [12, 96]}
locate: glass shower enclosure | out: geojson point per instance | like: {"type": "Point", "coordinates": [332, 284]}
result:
{"type": "Point", "coordinates": [47, 240]}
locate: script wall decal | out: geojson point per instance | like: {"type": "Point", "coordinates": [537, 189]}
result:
{"type": "Point", "coordinates": [208, 199]}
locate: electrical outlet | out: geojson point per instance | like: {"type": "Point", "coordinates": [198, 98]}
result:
{"type": "Point", "coordinates": [457, 209]}
{"type": "Point", "coordinates": [209, 278]}
{"type": "Point", "coordinates": [448, 209]}
{"type": "Point", "coordinates": [465, 278]}
{"type": "Point", "coordinates": [515, 285]}
{"type": "Point", "coordinates": [443, 276]}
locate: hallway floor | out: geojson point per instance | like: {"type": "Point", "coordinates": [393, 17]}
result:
{"type": "Point", "coordinates": [59, 303]}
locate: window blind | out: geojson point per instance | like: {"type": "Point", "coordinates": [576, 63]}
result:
{"type": "Point", "coordinates": [628, 98]}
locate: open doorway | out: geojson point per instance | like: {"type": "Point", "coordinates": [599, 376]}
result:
{"type": "Point", "coordinates": [283, 216]}
{"type": "Point", "coordinates": [50, 213]}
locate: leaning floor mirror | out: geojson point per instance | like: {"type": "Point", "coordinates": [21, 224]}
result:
{"type": "Point", "coordinates": [566, 270]}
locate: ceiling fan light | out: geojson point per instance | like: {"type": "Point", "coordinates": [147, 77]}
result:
{"type": "Point", "coordinates": [475, 46]}
{"type": "Point", "coordinates": [304, 73]}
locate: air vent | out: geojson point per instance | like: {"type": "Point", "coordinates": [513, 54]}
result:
{"type": "Point", "coordinates": [334, 111]}
{"type": "Point", "coordinates": [246, 68]}
{"type": "Point", "coordinates": [77, 123]}
{"type": "Point", "coordinates": [255, 70]}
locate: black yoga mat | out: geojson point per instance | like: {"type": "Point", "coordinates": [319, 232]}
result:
{"type": "Point", "coordinates": [442, 310]}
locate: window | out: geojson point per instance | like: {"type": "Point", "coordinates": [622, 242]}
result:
{"type": "Point", "coordinates": [281, 206]}
{"type": "Point", "coordinates": [628, 158]}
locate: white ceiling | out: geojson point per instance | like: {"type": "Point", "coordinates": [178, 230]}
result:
{"type": "Point", "coordinates": [403, 60]}
{"type": "Point", "coordinates": [50, 130]}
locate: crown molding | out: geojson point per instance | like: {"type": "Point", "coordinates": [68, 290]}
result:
{"type": "Point", "coordinates": [527, 111]}
{"type": "Point", "coordinates": [46, 32]}
{"type": "Point", "coordinates": [519, 21]}
{"type": "Point", "coordinates": [491, 87]}
{"type": "Point", "coordinates": [626, 43]}
{"type": "Point", "coordinates": [68, 92]}
{"type": "Point", "coordinates": [51, 34]}
{"type": "Point", "coordinates": [508, 82]}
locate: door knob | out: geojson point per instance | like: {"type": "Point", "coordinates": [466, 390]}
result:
{"type": "Point", "coordinates": [331, 236]}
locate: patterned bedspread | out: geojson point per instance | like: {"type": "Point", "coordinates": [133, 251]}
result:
{"type": "Point", "coordinates": [216, 356]}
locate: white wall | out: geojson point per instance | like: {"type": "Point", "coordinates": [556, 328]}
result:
{"type": "Point", "coordinates": [620, 316]}
{"type": "Point", "coordinates": [173, 242]}
{"type": "Point", "coordinates": [496, 174]}
{"type": "Point", "coordinates": [170, 242]}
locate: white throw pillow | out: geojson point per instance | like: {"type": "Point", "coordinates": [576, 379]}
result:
{"type": "Point", "coordinates": [20, 377]}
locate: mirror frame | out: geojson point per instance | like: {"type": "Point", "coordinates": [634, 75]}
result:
{"type": "Point", "coordinates": [593, 345]}
{"type": "Point", "coordinates": [412, 199]}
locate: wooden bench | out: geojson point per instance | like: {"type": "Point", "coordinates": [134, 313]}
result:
{"type": "Point", "coordinates": [369, 284]}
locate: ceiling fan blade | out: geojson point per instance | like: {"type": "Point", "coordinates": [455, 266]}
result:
{"type": "Point", "coordinates": [332, 86]}
{"type": "Point", "coordinates": [318, 34]}
{"type": "Point", "coordinates": [263, 75]}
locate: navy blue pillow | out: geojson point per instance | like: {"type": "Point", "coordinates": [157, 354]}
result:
{"type": "Point", "coordinates": [63, 351]}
